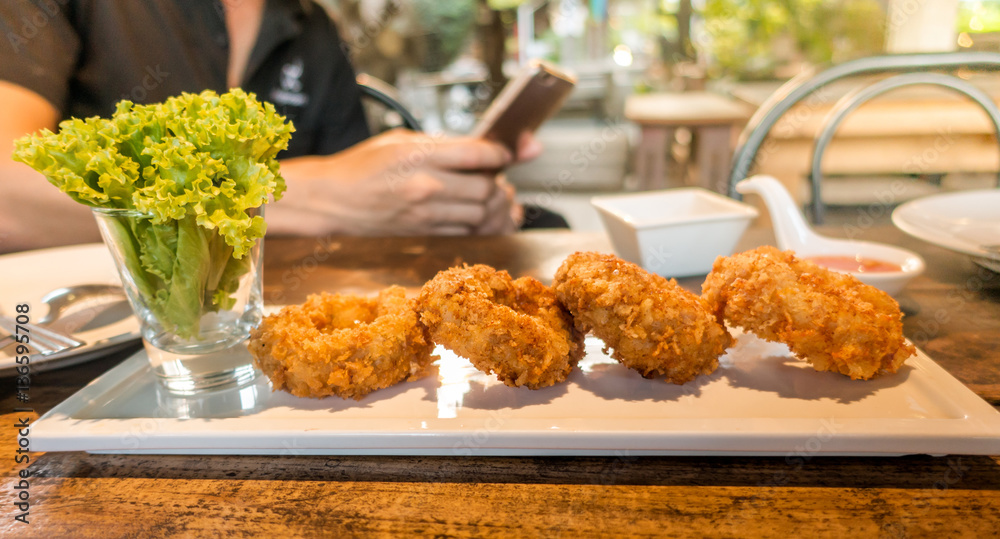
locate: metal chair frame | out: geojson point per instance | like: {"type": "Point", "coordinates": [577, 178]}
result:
{"type": "Point", "coordinates": [385, 94]}
{"type": "Point", "coordinates": [915, 69]}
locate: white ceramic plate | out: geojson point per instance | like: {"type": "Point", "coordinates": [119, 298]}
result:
{"type": "Point", "coordinates": [30, 275]}
{"type": "Point", "coordinates": [962, 221]}
{"type": "Point", "coordinates": [759, 402]}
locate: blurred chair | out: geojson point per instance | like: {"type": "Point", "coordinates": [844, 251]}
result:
{"type": "Point", "coordinates": [903, 70]}
{"type": "Point", "coordinates": [384, 95]}
{"type": "Point", "coordinates": [711, 118]}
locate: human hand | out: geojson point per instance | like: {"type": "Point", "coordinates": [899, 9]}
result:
{"type": "Point", "coordinates": [399, 183]}
{"type": "Point", "coordinates": [528, 146]}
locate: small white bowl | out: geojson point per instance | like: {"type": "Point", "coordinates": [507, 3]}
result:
{"type": "Point", "coordinates": [674, 232]}
{"type": "Point", "coordinates": [793, 233]}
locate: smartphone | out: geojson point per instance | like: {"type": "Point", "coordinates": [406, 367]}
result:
{"type": "Point", "coordinates": [527, 101]}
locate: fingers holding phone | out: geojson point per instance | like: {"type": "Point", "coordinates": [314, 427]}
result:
{"type": "Point", "coordinates": [524, 104]}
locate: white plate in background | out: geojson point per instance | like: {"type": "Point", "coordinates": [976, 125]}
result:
{"type": "Point", "coordinates": [28, 276]}
{"type": "Point", "coordinates": [962, 221]}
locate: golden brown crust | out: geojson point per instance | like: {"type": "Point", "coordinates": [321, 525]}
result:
{"type": "Point", "coordinates": [652, 324]}
{"type": "Point", "coordinates": [829, 319]}
{"type": "Point", "coordinates": [342, 345]}
{"type": "Point", "coordinates": [515, 329]}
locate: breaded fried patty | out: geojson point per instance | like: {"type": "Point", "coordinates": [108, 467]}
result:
{"type": "Point", "coordinates": [827, 318]}
{"type": "Point", "coordinates": [515, 329]}
{"type": "Point", "coordinates": [342, 345]}
{"type": "Point", "coordinates": [651, 324]}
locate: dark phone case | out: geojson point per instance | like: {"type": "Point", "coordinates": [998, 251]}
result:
{"type": "Point", "coordinates": [532, 104]}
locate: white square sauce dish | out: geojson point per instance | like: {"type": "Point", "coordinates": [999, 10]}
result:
{"type": "Point", "coordinates": [674, 232]}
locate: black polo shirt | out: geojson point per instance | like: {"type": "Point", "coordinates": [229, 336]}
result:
{"type": "Point", "coordinates": [86, 55]}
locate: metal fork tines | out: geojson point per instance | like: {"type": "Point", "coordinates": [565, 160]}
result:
{"type": "Point", "coordinates": [45, 341]}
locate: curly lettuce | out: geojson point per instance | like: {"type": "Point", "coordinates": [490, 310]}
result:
{"type": "Point", "coordinates": [197, 167]}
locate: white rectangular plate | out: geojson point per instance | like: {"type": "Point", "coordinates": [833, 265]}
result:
{"type": "Point", "coordinates": [761, 401]}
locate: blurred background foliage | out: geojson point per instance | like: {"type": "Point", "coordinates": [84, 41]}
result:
{"type": "Point", "coordinates": [502, 5]}
{"type": "Point", "coordinates": [759, 39]}
{"type": "Point", "coordinates": [729, 40]}
{"type": "Point", "coordinates": [449, 24]}
{"type": "Point", "coordinates": [979, 17]}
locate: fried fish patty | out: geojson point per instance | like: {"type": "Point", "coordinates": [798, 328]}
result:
{"type": "Point", "coordinates": [827, 318]}
{"type": "Point", "coordinates": [650, 323]}
{"type": "Point", "coordinates": [515, 329]}
{"type": "Point", "coordinates": [342, 345]}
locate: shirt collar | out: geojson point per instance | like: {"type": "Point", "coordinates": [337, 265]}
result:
{"type": "Point", "coordinates": [282, 21]}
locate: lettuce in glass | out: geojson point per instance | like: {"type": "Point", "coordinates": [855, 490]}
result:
{"type": "Point", "coordinates": [197, 166]}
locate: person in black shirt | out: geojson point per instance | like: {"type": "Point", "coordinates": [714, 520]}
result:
{"type": "Point", "coordinates": [77, 58]}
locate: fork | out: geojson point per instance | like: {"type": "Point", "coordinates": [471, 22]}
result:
{"type": "Point", "coordinates": [45, 341]}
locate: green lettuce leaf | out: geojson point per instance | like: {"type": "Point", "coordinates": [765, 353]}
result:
{"type": "Point", "coordinates": [197, 166]}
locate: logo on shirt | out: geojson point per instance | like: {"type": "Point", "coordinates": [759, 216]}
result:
{"type": "Point", "coordinates": [290, 92]}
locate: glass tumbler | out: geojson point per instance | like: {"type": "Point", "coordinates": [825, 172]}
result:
{"type": "Point", "coordinates": [195, 301]}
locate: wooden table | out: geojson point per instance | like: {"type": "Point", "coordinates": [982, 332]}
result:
{"type": "Point", "coordinates": [713, 119]}
{"type": "Point", "coordinates": [953, 313]}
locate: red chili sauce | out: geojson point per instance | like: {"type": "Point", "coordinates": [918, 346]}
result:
{"type": "Point", "coordinates": [854, 263]}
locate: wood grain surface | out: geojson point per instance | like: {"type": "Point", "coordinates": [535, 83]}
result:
{"type": "Point", "coordinates": [953, 313]}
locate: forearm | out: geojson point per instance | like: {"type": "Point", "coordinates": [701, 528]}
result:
{"type": "Point", "coordinates": [398, 183]}
{"type": "Point", "coordinates": [304, 210]}
{"type": "Point", "coordinates": [34, 214]}
{"type": "Point", "coordinates": [355, 192]}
